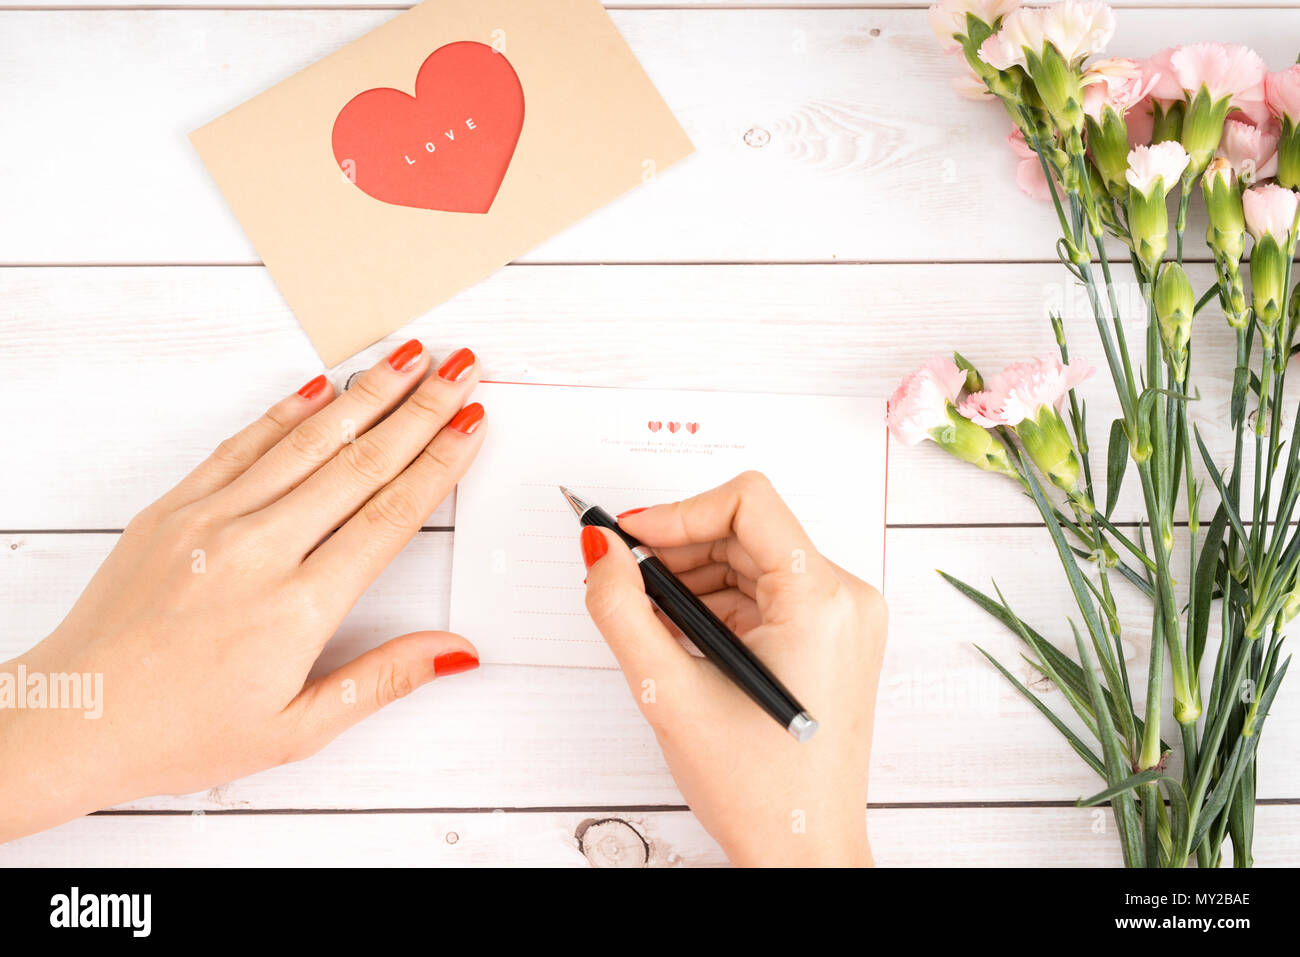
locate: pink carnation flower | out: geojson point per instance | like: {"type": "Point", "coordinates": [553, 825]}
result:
{"type": "Point", "coordinates": [1158, 71]}
{"type": "Point", "coordinates": [920, 404]}
{"type": "Point", "coordinates": [968, 86]}
{"type": "Point", "coordinates": [1252, 150]}
{"type": "Point", "coordinates": [1270, 211]}
{"type": "Point", "coordinates": [1020, 390]}
{"type": "Point", "coordinates": [1225, 69]}
{"type": "Point", "coordinates": [1162, 89]}
{"type": "Point", "coordinates": [1164, 161]}
{"type": "Point", "coordinates": [1029, 169]}
{"type": "Point", "coordinates": [1119, 83]}
{"type": "Point", "coordinates": [948, 17]}
{"type": "Point", "coordinates": [1282, 91]}
{"type": "Point", "coordinates": [1253, 105]}
{"type": "Point", "coordinates": [1077, 28]}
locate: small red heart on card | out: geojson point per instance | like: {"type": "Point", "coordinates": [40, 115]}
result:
{"type": "Point", "coordinates": [692, 427]}
{"type": "Point", "coordinates": [655, 426]}
{"type": "Point", "coordinates": [446, 148]}
{"type": "Point", "coordinates": [674, 426]}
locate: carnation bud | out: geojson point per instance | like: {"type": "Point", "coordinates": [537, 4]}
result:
{"type": "Point", "coordinates": [1153, 171]}
{"type": "Point", "coordinates": [1175, 303]}
{"type": "Point", "coordinates": [1108, 146]}
{"type": "Point", "coordinates": [1288, 155]}
{"type": "Point", "coordinates": [1148, 223]}
{"type": "Point", "coordinates": [1203, 129]}
{"type": "Point", "coordinates": [1059, 87]}
{"type": "Point", "coordinates": [973, 443]}
{"type": "Point", "coordinates": [1290, 606]}
{"type": "Point", "coordinates": [1048, 444]}
{"type": "Point", "coordinates": [1268, 271]}
{"type": "Point", "coordinates": [1226, 234]}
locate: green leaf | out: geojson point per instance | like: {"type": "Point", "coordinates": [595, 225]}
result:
{"type": "Point", "coordinates": [1181, 818]}
{"type": "Point", "coordinates": [1081, 749]}
{"type": "Point", "coordinates": [1218, 797]}
{"type": "Point", "coordinates": [1071, 674]}
{"type": "Point", "coordinates": [1243, 752]}
{"type": "Point", "coordinates": [1225, 501]}
{"type": "Point", "coordinates": [1123, 806]}
{"type": "Point", "coordinates": [1207, 569]}
{"type": "Point", "coordinates": [1136, 580]}
{"type": "Point", "coordinates": [1116, 464]}
{"type": "Point", "coordinates": [1078, 585]}
{"type": "Point", "coordinates": [1128, 784]}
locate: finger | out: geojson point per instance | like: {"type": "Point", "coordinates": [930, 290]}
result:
{"type": "Point", "coordinates": [716, 577]}
{"type": "Point", "coordinates": [747, 507]}
{"type": "Point", "coordinates": [234, 456]}
{"type": "Point", "coordinates": [354, 556]}
{"type": "Point", "coordinates": [738, 611]}
{"type": "Point", "coordinates": [342, 485]}
{"type": "Point", "coordinates": [332, 703]}
{"type": "Point", "coordinates": [683, 558]}
{"type": "Point", "coordinates": [317, 440]}
{"type": "Point", "coordinates": [617, 603]}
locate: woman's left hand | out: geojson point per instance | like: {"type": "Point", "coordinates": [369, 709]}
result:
{"type": "Point", "coordinates": [208, 616]}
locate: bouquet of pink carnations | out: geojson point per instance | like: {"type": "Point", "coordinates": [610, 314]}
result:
{"type": "Point", "coordinates": [1108, 142]}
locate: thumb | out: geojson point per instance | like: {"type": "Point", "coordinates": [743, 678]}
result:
{"type": "Point", "coordinates": [617, 603]}
{"type": "Point", "coordinates": [329, 705]}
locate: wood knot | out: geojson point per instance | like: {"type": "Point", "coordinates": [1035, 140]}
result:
{"type": "Point", "coordinates": [612, 842]}
{"type": "Point", "coordinates": [757, 137]}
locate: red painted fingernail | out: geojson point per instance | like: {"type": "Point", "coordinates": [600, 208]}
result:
{"type": "Point", "coordinates": [453, 663]}
{"type": "Point", "coordinates": [631, 511]}
{"type": "Point", "coordinates": [455, 366]}
{"type": "Point", "coordinates": [594, 545]}
{"type": "Point", "coordinates": [467, 419]}
{"type": "Point", "coordinates": [314, 388]}
{"type": "Point", "coordinates": [405, 355]}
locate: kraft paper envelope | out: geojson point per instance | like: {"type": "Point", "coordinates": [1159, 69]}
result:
{"type": "Point", "coordinates": [424, 156]}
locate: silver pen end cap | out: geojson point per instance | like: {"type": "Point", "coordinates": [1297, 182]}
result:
{"type": "Point", "coordinates": [802, 726]}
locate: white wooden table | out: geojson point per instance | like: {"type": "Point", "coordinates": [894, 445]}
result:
{"type": "Point", "coordinates": [845, 217]}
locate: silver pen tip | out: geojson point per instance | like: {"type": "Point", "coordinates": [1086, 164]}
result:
{"type": "Point", "coordinates": [802, 726]}
{"type": "Point", "coordinates": [575, 503]}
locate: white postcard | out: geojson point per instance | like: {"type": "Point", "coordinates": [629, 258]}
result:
{"type": "Point", "coordinates": [517, 574]}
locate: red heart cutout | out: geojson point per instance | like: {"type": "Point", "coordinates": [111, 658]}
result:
{"type": "Point", "coordinates": [449, 146]}
{"type": "Point", "coordinates": [655, 426]}
{"type": "Point", "coordinates": [674, 426]}
{"type": "Point", "coordinates": [692, 427]}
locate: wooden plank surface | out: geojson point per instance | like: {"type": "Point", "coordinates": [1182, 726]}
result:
{"type": "Point", "coordinates": [900, 837]}
{"type": "Point", "coordinates": [876, 224]}
{"type": "Point", "coordinates": [121, 379]}
{"type": "Point", "coordinates": [948, 727]}
{"type": "Point", "coordinates": [868, 155]}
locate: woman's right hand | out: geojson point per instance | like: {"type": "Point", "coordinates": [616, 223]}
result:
{"type": "Point", "coordinates": [766, 799]}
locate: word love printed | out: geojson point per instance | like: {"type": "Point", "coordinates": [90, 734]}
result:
{"type": "Point", "coordinates": [431, 147]}
{"type": "Point", "coordinates": [691, 427]}
{"type": "Point", "coordinates": [449, 146]}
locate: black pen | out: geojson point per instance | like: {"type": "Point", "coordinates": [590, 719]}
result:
{"type": "Point", "coordinates": [680, 605]}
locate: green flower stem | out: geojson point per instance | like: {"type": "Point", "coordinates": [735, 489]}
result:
{"type": "Point", "coordinates": [1214, 729]}
{"type": "Point", "coordinates": [1155, 481]}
